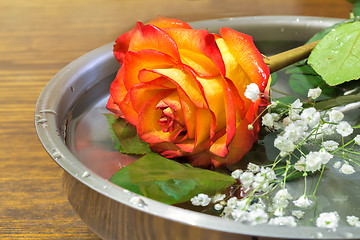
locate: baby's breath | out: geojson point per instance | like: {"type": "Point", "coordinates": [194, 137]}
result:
{"type": "Point", "coordinates": [353, 221]}
{"type": "Point", "coordinates": [328, 220]}
{"type": "Point", "coordinates": [264, 196]}
{"type": "Point", "coordinates": [252, 92]}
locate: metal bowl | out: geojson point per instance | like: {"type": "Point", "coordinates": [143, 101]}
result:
{"type": "Point", "coordinates": [71, 126]}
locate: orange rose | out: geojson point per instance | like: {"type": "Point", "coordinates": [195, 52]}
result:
{"type": "Point", "coordinates": [183, 89]}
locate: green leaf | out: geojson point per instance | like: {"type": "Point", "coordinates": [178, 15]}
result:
{"type": "Point", "coordinates": [302, 82]}
{"type": "Point", "coordinates": [287, 100]}
{"type": "Point", "coordinates": [301, 69]}
{"type": "Point", "coordinates": [122, 179]}
{"type": "Point", "coordinates": [274, 78]}
{"type": "Point", "coordinates": [337, 102]}
{"type": "Point", "coordinates": [111, 119]}
{"type": "Point", "coordinates": [168, 181]}
{"type": "Point", "coordinates": [336, 58]}
{"type": "Point", "coordinates": [125, 137]}
{"type": "Point", "coordinates": [357, 8]}
{"type": "Point", "coordinates": [322, 33]}
{"type": "Point", "coordinates": [283, 107]}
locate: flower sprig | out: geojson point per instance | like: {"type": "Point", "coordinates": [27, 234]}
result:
{"type": "Point", "coordinates": [306, 144]}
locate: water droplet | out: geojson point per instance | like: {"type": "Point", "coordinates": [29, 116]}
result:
{"type": "Point", "coordinates": [85, 174]}
{"type": "Point", "coordinates": [105, 187]}
{"type": "Point", "coordinates": [37, 116]}
{"type": "Point", "coordinates": [318, 235]}
{"type": "Point", "coordinates": [41, 121]}
{"type": "Point", "coordinates": [138, 202]}
{"type": "Point", "coordinates": [298, 20]}
{"type": "Point", "coordinates": [56, 155]}
{"type": "Point", "coordinates": [48, 111]}
{"type": "Point", "coordinates": [282, 29]}
{"type": "Point", "coordinates": [348, 235]}
{"type": "Point", "coordinates": [72, 88]}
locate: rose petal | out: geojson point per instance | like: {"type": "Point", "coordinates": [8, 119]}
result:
{"type": "Point", "coordinates": [202, 133]}
{"type": "Point", "coordinates": [117, 88]}
{"type": "Point", "coordinates": [246, 54]}
{"type": "Point", "coordinates": [187, 145]}
{"type": "Point", "coordinates": [167, 149]}
{"type": "Point", "coordinates": [214, 93]}
{"type": "Point", "coordinates": [203, 159]}
{"type": "Point", "coordinates": [151, 37]}
{"type": "Point", "coordinates": [236, 98]}
{"type": "Point", "coordinates": [113, 107]}
{"type": "Point", "coordinates": [148, 128]}
{"type": "Point", "coordinates": [219, 147]}
{"type": "Point", "coordinates": [173, 101]}
{"type": "Point", "coordinates": [186, 81]}
{"type": "Point", "coordinates": [135, 62]}
{"type": "Point", "coordinates": [232, 104]}
{"type": "Point", "coordinates": [235, 73]}
{"type": "Point", "coordinates": [240, 145]}
{"type": "Point", "coordinates": [121, 45]}
{"type": "Point", "coordinates": [163, 22]}
{"type": "Point", "coordinates": [201, 64]}
{"type": "Point", "coordinates": [203, 125]}
{"type": "Point", "coordinates": [189, 112]}
{"type": "Point", "coordinates": [128, 111]}
{"type": "Point", "coordinates": [142, 92]}
{"type": "Point", "coordinates": [199, 50]}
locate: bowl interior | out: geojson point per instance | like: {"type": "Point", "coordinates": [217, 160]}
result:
{"type": "Point", "coordinates": [71, 125]}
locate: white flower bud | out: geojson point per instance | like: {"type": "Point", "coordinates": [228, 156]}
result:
{"type": "Point", "coordinates": [314, 93]}
{"type": "Point", "coordinates": [252, 92]}
{"type": "Point", "coordinates": [336, 116]}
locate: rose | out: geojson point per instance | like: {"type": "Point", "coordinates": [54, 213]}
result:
{"type": "Point", "coordinates": [183, 90]}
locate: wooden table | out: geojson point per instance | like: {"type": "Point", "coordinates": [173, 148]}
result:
{"type": "Point", "coordinates": [37, 39]}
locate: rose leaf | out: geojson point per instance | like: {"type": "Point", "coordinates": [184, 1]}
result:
{"type": "Point", "coordinates": [336, 58]}
{"type": "Point", "coordinates": [168, 181]}
{"type": "Point", "coordinates": [125, 137]}
{"type": "Point", "coordinates": [302, 82]}
{"type": "Point", "coordinates": [122, 179]}
{"type": "Point", "coordinates": [338, 101]}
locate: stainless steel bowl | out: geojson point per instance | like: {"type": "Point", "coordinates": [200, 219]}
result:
{"type": "Point", "coordinates": [72, 129]}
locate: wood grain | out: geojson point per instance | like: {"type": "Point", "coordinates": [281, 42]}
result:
{"type": "Point", "coordinates": [37, 39]}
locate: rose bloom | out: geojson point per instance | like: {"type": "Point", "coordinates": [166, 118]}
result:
{"type": "Point", "coordinates": [183, 90]}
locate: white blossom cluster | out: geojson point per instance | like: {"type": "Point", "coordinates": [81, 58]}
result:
{"type": "Point", "coordinates": [328, 220]}
{"type": "Point", "coordinates": [265, 198]}
{"type": "Point", "coordinates": [301, 126]}
{"type": "Point", "coordinates": [258, 208]}
{"type": "Point", "coordinates": [258, 182]}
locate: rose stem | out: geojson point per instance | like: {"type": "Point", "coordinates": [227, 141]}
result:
{"type": "Point", "coordinates": [289, 57]}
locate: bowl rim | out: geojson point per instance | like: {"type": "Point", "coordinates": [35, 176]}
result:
{"type": "Point", "coordinates": [47, 124]}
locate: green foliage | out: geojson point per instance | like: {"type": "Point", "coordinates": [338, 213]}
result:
{"type": "Point", "coordinates": [338, 101]}
{"type": "Point", "coordinates": [274, 78]}
{"type": "Point", "coordinates": [125, 137]}
{"type": "Point", "coordinates": [357, 9]}
{"type": "Point", "coordinates": [322, 33]}
{"type": "Point", "coordinates": [168, 181]}
{"type": "Point", "coordinates": [303, 78]}
{"type": "Point", "coordinates": [336, 56]}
